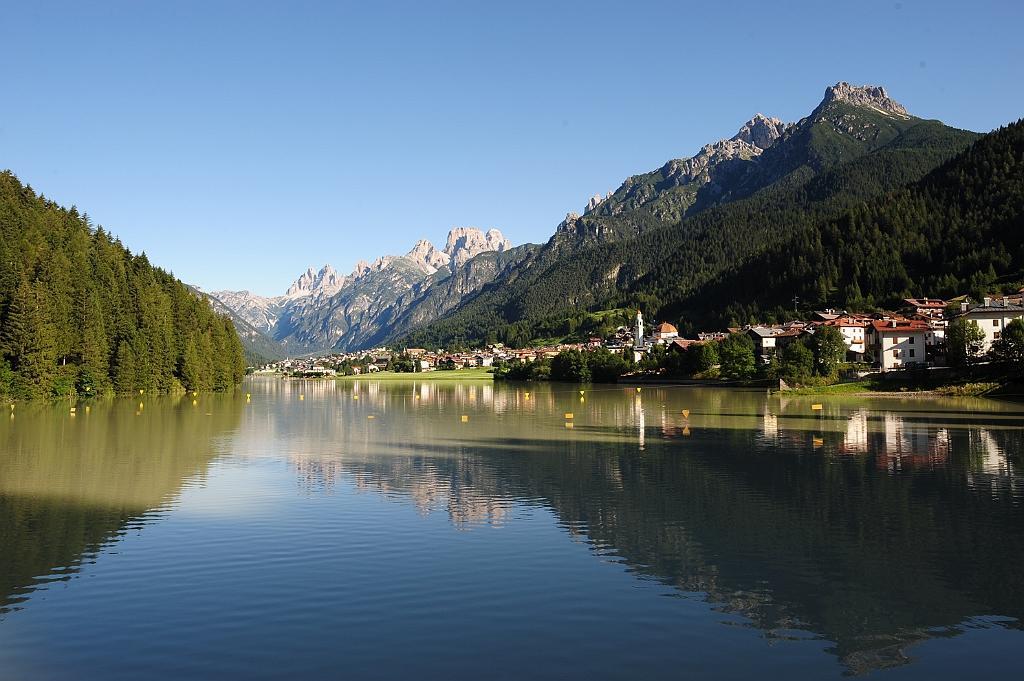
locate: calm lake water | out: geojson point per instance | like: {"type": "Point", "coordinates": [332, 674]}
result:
{"type": "Point", "coordinates": [467, 530]}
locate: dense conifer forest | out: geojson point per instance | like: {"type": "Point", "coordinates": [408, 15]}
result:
{"type": "Point", "coordinates": [80, 314]}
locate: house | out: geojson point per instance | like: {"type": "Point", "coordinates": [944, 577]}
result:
{"type": "Point", "coordinates": [896, 343]}
{"type": "Point", "coordinates": [930, 308]}
{"type": "Point", "coordinates": [681, 344]}
{"type": "Point", "coordinates": [853, 331]}
{"type": "Point", "coordinates": [993, 316]}
{"type": "Point", "coordinates": [769, 339]}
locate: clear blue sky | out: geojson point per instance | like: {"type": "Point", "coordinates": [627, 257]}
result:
{"type": "Point", "coordinates": [238, 143]}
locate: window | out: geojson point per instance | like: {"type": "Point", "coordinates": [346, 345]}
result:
{"type": "Point", "coordinates": [911, 342]}
{"type": "Point", "coordinates": [995, 322]}
{"type": "Point", "coordinates": [911, 353]}
{"type": "Point", "coordinates": [896, 352]}
{"type": "Point", "coordinates": [995, 335]}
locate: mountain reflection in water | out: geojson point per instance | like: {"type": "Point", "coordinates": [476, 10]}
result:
{"type": "Point", "coordinates": [872, 525]}
{"type": "Point", "coordinates": [875, 525]}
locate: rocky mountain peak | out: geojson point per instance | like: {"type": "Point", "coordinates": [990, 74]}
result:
{"type": "Point", "coordinates": [425, 253]}
{"type": "Point", "coordinates": [761, 131]}
{"type": "Point", "coordinates": [595, 201]}
{"type": "Point", "coordinates": [467, 242]}
{"type": "Point", "coordinates": [871, 96]}
{"type": "Point", "coordinates": [311, 281]}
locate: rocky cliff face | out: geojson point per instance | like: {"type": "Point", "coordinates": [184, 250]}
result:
{"type": "Point", "coordinates": [869, 96]}
{"type": "Point", "coordinates": [325, 281]}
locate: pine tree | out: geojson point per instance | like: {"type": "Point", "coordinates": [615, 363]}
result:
{"type": "Point", "coordinates": [125, 368]}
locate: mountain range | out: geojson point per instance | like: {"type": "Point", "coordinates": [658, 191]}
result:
{"type": "Point", "coordinates": [325, 310]}
{"type": "Point", "coordinates": [671, 241]}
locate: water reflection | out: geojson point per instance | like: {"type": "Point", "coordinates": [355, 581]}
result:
{"type": "Point", "coordinates": [70, 484]}
{"type": "Point", "coordinates": [867, 525]}
{"type": "Point", "coordinates": [870, 524]}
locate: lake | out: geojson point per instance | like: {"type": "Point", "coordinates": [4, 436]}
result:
{"type": "Point", "coordinates": [387, 530]}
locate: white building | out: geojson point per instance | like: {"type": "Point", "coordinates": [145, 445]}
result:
{"type": "Point", "coordinates": [638, 337]}
{"type": "Point", "coordinates": [854, 332]}
{"type": "Point", "coordinates": [992, 316]}
{"type": "Point", "coordinates": [896, 343]}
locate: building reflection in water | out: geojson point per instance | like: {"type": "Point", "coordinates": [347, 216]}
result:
{"type": "Point", "coordinates": [837, 533]}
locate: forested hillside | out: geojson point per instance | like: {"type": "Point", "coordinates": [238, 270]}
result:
{"type": "Point", "coordinates": [958, 230]}
{"type": "Point", "coordinates": [830, 162]}
{"type": "Point", "coordinates": [81, 314]}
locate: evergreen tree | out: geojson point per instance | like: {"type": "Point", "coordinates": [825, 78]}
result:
{"type": "Point", "coordinates": [79, 312]}
{"type": "Point", "coordinates": [125, 368]}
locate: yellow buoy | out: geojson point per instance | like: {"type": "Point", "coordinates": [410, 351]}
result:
{"type": "Point", "coordinates": [465, 418]}
{"type": "Point", "coordinates": [582, 400]}
{"type": "Point", "coordinates": [355, 397]}
{"type": "Point", "coordinates": [87, 408]}
{"type": "Point", "coordinates": [302, 397]}
{"type": "Point", "coordinates": [638, 389]}
{"type": "Point", "coordinates": [141, 405]}
{"type": "Point", "coordinates": [686, 413]}
{"type": "Point", "coordinates": [581, 392]}
{"type": "Point", "coordinates": [568, 416]}
{"type": "Point", "coordinates": [195, 394]}
{"type": "Point", "coordinates": [527, 394]}
{"type": "Point", "coordinates": [816, 407]}
{"type": "Point", "coordinates": [141, 391]}
{"type": "Point", "coordinates": [248, 395]}
{"type": "Point", "coordinates": [371, 416]}
{"type": "Point", "coordinates": [195, 402]}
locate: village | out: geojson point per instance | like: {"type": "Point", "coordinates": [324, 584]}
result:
{"type": "Point", "coordinates": [912, 337]}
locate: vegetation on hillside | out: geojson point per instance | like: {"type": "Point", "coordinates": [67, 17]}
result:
{"type": "Point", "coordinates": [81, 314]}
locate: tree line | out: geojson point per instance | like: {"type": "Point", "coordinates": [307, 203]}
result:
{"type": "Point", "coordinates": [80, 314]}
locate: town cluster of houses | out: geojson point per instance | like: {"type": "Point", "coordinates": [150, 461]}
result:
{"type": "Point", "coordinates": [911, 337]}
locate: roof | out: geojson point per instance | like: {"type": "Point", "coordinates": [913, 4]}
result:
{"type": "Point", "coordinates": [997, 306]}
{"type": "Point", "coordinates": [934, 303]}
{"type": "Point", "coordinates": [775, 332]}
{"type": "Point", "coordinates": [847, 321]}
{"type": "Point", "coordinates": [899, 325]}
{"type": "Point", "coordinates": [665, 327]}
{"type": "Point", "coordinates": [683, 343]}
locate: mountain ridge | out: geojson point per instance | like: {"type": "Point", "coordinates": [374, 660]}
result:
{"type": "Point", "coordinates": [320, 307]}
